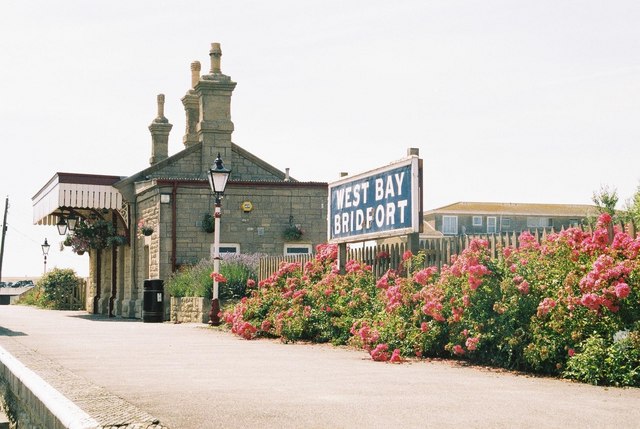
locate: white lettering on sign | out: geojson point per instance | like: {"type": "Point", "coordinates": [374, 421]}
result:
{"type": "Point", "coordinates": [356, 195]}
{"type": "Point", "coordinates": [379, 216]}
{"type": "Point", "coordinates": [391, 212]}
{"type": "Point", "coordinates": [399, 179]}
{"type": "Point", "coordinates": [352, 196]}
{"type": "Point", "coordinates": [386, 189]}
{"type": "Point", "coordinates": [365, 189]}
{"type": "Point", "coordinates": [359, 220]}
{"type": "Point", "coordinates": [402, 205]}
{"type": "Point", "coordinates": [379, 189]}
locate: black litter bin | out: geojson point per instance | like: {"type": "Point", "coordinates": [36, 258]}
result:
{"type": "Point", "coordinates": [153, 304]}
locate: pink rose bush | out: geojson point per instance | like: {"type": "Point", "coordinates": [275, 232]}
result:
{"type": "Point", "coordinates": [539, 307]}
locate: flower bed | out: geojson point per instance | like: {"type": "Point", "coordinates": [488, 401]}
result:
{"type": "Point", "coordinates": [569, 306]}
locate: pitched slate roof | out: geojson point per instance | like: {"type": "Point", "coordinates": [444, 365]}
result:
{"type": "Point", "coordinates": [524, 209]}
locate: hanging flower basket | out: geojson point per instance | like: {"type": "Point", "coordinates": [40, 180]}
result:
{"type": "Point", "coordinates": [95, 234]}
{"type": "Point", "coordinates": [208, 223]}
{"type": "Point", "coordinates": [144, 228]}
{"type": "Point", "coordinates": [292, 233]}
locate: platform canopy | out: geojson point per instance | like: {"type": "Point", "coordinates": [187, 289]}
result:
{"type": "Point", "coordinates": [79, 194]}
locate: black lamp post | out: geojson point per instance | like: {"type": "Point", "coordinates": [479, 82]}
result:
{"type": "Point", "coordinates": [218, 177]}
{"type": "Point", "coordinates": [45, 251]}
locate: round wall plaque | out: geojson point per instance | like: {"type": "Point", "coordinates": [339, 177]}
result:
{"type": "Point", "coordinates": [246, 206]}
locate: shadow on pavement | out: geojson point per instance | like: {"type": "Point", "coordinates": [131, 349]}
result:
{"type": "Point", "coordinates": [101, 318]}
{"type": "Point", "coordinates": [4, 332]}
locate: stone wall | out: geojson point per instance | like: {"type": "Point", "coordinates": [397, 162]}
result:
{"type": "Point", "coordinates": [31, 402]}
{"type": "Point", "coordinates": [190, 310]}
{"type": "Point", "coordinates": [257, 231]}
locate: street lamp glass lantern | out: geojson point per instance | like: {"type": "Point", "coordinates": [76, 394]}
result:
{"type": "Point", "coordinates": [45, 247]}
{"type": "Point", "coordinates": [218, 176]}
{"type": "Point", "coordinates": [72, 222]}
{"type": "Point", "coordinates": [62, 226]}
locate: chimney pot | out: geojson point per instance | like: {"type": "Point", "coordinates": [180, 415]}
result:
{"type": "Point", "coordinates": [160, 128]}
{"type": "Point", "coordinates": [215, 53]}
{"type": "Point", "coordinates": [195, 73]}
{"type": "Point", "coordinates": [160, 119]}
{"type": "Point", "coordinates": [160, 105]}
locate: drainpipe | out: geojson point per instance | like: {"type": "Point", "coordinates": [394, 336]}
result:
{"type": "Point", "coordinates": [174, 236]}
{"type": "Point", "coordinates": [98, 281]}
{"type": "Point", "coordinates": [114, 271]}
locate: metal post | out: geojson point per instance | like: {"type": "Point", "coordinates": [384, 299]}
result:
{"type": "Point", "coordinates": [214, 319]}
{"type": "Point", "coordinates": [45, 250]}
{"type": "Point", "coordinates": [342, 257]}
{"type": "Point", "coordinates": [3, 233]}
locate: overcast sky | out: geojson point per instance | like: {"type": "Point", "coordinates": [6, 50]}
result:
{"type": "Point", "coordinates": [507, 101]}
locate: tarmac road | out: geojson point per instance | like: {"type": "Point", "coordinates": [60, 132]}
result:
{"type": "Point", "coordinates": [190, 376]}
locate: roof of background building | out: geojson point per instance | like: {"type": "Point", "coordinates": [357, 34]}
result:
{"type": "Point", "coordinates": [13, 291]}
{"type": "Point", "coordinates": [528, 209]}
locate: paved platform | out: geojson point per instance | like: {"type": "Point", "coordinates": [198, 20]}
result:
{"type": "Point", "coordinates": [129, 374]}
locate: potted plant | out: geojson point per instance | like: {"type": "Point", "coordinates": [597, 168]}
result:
{"type": "Point", "coordinates": [144, 228]}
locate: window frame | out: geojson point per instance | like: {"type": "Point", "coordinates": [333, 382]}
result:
{"type": "Point", "coordinates": [540, 222]}
{"type": "Point", "coordinates": [478, 218]}
{"type": "Point", "coordinates": [450, 218]}
{"type": "Point", "coordinates": [226, 245]}
{"type": "Point", "coordinates": [495, 224]}
{"type": "Point", "coordinates": [287, 246]}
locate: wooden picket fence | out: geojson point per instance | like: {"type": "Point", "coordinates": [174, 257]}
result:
{"type": "Point", "coordinates": [77, 301]}
{"type": "Point", "coordinates": [438, 250]}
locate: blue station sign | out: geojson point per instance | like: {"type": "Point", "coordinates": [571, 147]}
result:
{"type": "Point", "coordinates": [375, 204]}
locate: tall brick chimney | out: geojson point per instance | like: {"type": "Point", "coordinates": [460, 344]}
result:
{"type": "Point", "coordinates": [159, 128]}
{"type": "Point", "coordinates": [192, 108]}
{"type": "Point", "coordinates": [214, 127]}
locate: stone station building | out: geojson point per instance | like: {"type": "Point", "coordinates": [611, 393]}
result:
{"type": "Point", "coordinates": [172, 196]}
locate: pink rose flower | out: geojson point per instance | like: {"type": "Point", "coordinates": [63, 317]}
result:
{"type": "Point", "coordinates": [622, 290]}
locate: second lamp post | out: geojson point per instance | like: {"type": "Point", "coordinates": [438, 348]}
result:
{"type": "Point", "coordinates": [218, 176]}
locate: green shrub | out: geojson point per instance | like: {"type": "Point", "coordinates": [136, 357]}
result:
{"type": "Point", "coordinates": [196, 280]}
{"type": "Point", "coordinates": [588, 365]}
{"type": "Point", "coordinates": [32, 297]}
{"type": "Point", "coordinates": [191, 281]}
{"type": "Point", "coordinates": [238, 268]}
{"type": "Point", "coordinates": [56, 288]}
{"type": "Point", "coordinates": [601, 362]}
